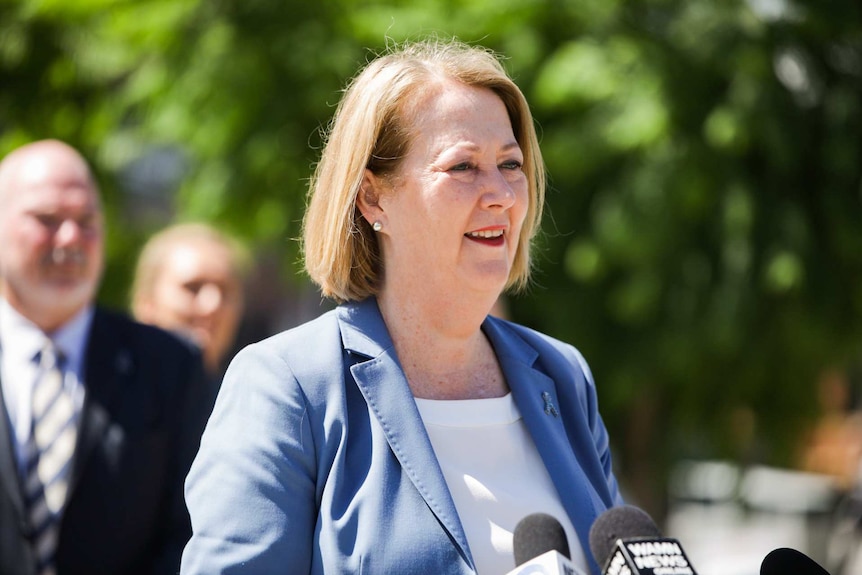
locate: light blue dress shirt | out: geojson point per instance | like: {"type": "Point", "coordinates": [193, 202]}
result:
{"type": "Point", "coordinates": [20, 342]}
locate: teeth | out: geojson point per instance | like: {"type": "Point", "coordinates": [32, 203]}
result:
{"type": "Point", "coordinates": [487, 234]}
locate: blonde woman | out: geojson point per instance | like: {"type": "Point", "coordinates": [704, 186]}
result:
{"type": "Point", "coordinates": [407, 431]}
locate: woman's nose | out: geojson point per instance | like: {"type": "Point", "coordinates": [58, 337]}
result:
{"type": "Point", "coordinates": [497, 192]}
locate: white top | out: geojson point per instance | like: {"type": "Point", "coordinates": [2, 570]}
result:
{"type": "Point", "coordinates": [20, 342]}
{"type": "Point", "coordinates": [495, 474]}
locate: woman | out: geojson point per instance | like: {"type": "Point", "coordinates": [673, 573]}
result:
{"type": "Point", "coordinates": [407, 431]}
{"type": "Point", "coordinates": [189, 279]}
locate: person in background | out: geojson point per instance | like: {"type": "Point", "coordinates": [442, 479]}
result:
{"type": "Point", "coordinates": [833, 444]}
{"type": "Point", "coordinates": [99, 413]}
{"type": "Point", "coordinates": [407, 431]}
{"type": "Point", "coordinates": [189, 279]}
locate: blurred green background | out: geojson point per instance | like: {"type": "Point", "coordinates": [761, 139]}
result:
{"type": "Point", "coordinates": [703, 238]}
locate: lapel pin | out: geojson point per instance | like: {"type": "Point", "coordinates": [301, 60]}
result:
{"type": "Point", "coordinates": [123, 362]}
{"type": "Point", "coordinates": [550, 409]}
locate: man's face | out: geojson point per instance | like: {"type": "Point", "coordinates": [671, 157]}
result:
{"type": "Point", "coordinates": [51, 235]}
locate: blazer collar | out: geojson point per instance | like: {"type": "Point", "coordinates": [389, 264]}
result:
{"type": "Point", "coordinates": [108, 364]}
{"type": "Point", "coordinates": [381, 380]}
{"type": "Point", "coordinates": [536, 396]}
{"type": "Point", "coordinates": [379, 376]}
{"type": "Point", "coordinates": [8, 465]}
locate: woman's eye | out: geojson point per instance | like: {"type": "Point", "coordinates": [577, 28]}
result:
{"type": "Point", "coordinates": [511, 165]}
{"type": "Point", "coordinates": [462, 167]}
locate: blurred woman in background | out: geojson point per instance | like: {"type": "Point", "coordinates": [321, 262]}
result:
{"type": "Point", "coordinates": [189, 280]}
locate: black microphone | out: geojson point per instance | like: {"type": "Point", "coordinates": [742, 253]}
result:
{"type": "Point", "coordinates": [786, 561]}
{"type": "Point", "coordinates": [625, 540]}
{"type": "Point", "coordinates": [541, 547]}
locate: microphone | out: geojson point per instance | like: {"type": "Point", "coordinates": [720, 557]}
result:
{"type": "Point", "coordinates": [541, 548]}
{"type": "Point", "coordinates": [784, 560]}
{"type": "Point", "coordinates": [625, 540]}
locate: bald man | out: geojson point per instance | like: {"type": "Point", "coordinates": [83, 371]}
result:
{"type": "Point", "coordinates": [100, 416]}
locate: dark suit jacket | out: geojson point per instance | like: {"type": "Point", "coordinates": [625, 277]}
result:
{"type": "Point", "coordinates": [140, 427]}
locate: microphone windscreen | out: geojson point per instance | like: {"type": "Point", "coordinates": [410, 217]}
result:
{"type": "Point", "coordinates": [536, 534]}
{"type": "Point", "coordinates": [784, 561]}
{"type": "Point", "coordinates": [621, 522]}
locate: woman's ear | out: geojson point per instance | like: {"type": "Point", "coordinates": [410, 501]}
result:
{"type": "Point", "coordinates": [368, 199]}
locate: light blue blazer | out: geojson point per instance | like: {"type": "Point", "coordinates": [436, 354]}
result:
{"type": "Point", "coordinates": [316, 460]}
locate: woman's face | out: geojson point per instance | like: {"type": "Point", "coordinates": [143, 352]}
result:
{"type": "Point", "coordinates": [197, 292]}
{"type": "Point", "coordinates": [451, 218]}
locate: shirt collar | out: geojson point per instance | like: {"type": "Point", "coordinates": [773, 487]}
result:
{"type": "Point", "coordinates": [19, 337]}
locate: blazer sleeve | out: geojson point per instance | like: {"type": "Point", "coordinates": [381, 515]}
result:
{"type": "Point", "coordinates": [251, 489]}
{"type": "Point", "coordinates": [599, 432]}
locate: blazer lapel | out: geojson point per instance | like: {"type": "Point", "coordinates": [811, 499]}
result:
{"type": "Point", "coordinates": [382, 383]}
{"type": "Point", "coordinates": [107, 363]}
{"type": "Point", "coordinates": [8, 464]}
{"type": "Point", "coordinates": [536, 397]}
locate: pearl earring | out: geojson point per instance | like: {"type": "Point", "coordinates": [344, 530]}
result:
{"type": "Point", "coordinates": [377, 226]}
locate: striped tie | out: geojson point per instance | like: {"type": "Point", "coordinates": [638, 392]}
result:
{"type": "Point", "coordinates": [52, 444]}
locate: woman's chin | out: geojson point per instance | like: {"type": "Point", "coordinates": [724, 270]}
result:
{"type": "Point", "coordinates": [492, 278]}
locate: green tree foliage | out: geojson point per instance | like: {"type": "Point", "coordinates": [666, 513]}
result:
{"type": "Point", "coordinates": [703, 245]}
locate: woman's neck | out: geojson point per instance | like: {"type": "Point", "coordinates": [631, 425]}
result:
{"type": "Point", "coordinates": [442, 349]}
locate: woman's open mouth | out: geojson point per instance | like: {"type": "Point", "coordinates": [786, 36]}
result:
{"type": "Point", "coordinates": [487, 237]}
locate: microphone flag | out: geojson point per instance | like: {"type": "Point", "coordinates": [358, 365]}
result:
{"type": "Point", "coordinates": [648, 556]}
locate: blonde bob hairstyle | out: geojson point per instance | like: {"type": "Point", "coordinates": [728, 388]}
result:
{"type": "Point", "coordinates": [372, 130]}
